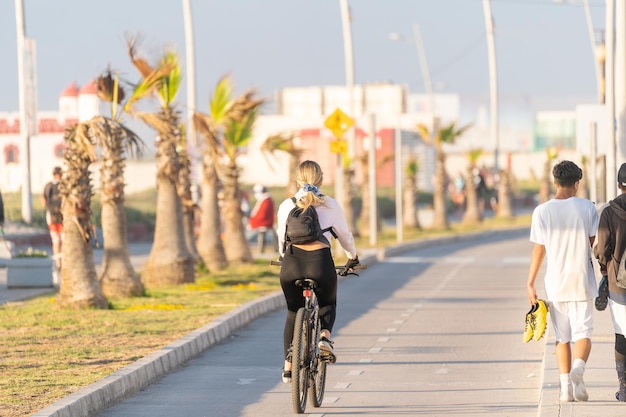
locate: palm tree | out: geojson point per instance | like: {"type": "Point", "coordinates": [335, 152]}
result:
{"type": "Point", "coordinates": [79, 281]}
{"type": "Point", "coordinates": [230, 126]}
{"type": "Point", "coordinates": [505, 193]}
{"type": "Point", "coordinates": [118, 277]}
{"type": "Point", "coordinates": [584, 181]}
{"type": "Point", "coordinates": [285, 142]}
{"type": "Point", "coordinates": [169, 262]}
{"type": "Point", "coordinates": [366, 208]}
{"type": "Point", "coordinates": [472, 213]}
{"type": "Point", "coordinates": [410, 191]}
{"type": "Point", "coordinates": [184, 192]}
{"type": "Point", "coordinates": [210, 246]}
{"type": "Point", "coordinates": [545, 189]}
{"type": "Point", "coordinates": [442, 135]}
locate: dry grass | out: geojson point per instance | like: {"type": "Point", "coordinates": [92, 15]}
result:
{"type": "Point", "coordinates": [48, 353]}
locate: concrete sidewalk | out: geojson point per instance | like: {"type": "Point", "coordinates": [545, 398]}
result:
{"type": "Point", "coordinates": [600, 377]}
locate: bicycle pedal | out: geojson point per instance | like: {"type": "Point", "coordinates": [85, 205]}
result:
{"type": "Point", "coordinates": [330, 358]}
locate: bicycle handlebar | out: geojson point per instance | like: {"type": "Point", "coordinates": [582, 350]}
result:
{"type": "Point", "coordinates": [341, 268]}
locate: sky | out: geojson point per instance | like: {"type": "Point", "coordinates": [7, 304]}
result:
{"type": "Point", "coordinates": [543, 47]}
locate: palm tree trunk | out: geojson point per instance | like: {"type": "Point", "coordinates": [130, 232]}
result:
{"type": "Point", "coordinates": [235, 242]}
{"type": "Point", "coordinates": [210, 245]}
{"type": "Point", "coordinates": [79, 281]}
{"type": "Point", "coordinates": [505, 205]}
{"type": "Point", "coordinates": [118, 277]}
{"type": "Point", "coordinates": [348, 200]}
{"type": "Point", "coordinates": [439, 198]}
{"type": "Point", "coordinates": [409, 201]}
{"type": "Point", "coordinates": [184, 192]}
{"type": "Point", "coordinates": [545, 187]}
{"type": "Point", "coordinates": [472, 213]}
{"type": "Point", "coordinates": [169, 262]}
{"type": "Point", "coordinates": [292, 186]}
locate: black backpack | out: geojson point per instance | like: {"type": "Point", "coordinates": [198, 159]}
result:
{"type": "Point", "coordinates": [303, 226]}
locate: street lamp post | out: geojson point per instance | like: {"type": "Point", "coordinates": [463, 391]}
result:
{"type": "Point", "coordinates": [27, 207]}
{"type": "Point", "coordinates": [493, 83]}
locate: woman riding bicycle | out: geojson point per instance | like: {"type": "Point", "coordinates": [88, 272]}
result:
{"type": "Point", "coordinates": [312, 260]}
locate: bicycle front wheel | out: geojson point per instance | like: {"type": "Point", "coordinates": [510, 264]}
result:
{"type": "Point", "coordinates": [300, 360]}
{"type": "Point", "coordinates": [317, 374]}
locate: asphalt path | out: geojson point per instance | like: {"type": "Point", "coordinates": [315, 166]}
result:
{"type": "Point", "coordinates": [435, 331]}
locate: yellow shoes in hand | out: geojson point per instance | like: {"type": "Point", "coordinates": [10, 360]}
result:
{"type": "Point", "coordinates": [536, 321]}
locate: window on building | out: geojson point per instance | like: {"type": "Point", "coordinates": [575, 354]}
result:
{"type": "Point", "coordinates": [11, 154]}
{"type": "Point", "coordinates": [59, 149]}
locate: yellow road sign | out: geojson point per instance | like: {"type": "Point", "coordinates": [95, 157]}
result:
{"type": "Point", "coordinates": [339, 146]}
{"type": "Point", "coordinates": [338, 123]}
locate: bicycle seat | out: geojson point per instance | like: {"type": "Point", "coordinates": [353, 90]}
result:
{"type": "Point", "coordinates": [306, 283]}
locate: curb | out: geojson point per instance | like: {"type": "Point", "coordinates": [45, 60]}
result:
{"type": "Point", "coordinates": [125, 382]}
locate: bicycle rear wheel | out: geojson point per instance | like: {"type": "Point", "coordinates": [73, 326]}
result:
{"type": "Point", "coordinates": [317, 374]}
{"type": "Point", "coordinates": [300, 361]}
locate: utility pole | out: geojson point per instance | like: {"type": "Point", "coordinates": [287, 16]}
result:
{"type": "Point", "coordinates": [27, 204]}
{"type": "Point", "coordinates": [493, 83]}
{"type": "Point", "coordinates": [190, 57]}
{"type": "Point", "coordinates": [609, 100]}
{"type": "Point", "coordinates": [620, 83]}
{"type": "Point", "coordinates": [346, 195]}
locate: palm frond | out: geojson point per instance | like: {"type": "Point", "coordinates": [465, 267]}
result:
{"type": "Point", "coordinates": [108, 88]}
{"type": "Point", "coordinates": [171, 79]}
{"type": "Point", "coordinates": [220, 102]}
{"type": "Point", "coordinates": [283, 142]}
{"type": "Point", "coordinates": [238, 133]}
{"type": "Point", "coordinates": [141, 64]}
{"type": "Point", "coordinates": [424, 133]}
{"type": "Point", "coordinates": [473, 155]}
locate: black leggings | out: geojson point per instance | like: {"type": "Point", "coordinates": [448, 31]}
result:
{"type": "Point", "coordinates": [318, 265]}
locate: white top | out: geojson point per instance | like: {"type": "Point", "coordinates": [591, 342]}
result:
{"type": "Point", "coordinates": [564, 227]}
{"type": "Point", "coordinates": [330, 214]}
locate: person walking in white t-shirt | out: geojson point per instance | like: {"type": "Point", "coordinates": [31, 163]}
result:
{"type": "Point", "coordinates": [563, 230]}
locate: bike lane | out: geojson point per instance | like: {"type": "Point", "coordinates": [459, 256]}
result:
{"type": "Point", "coordinates": [434, 331]}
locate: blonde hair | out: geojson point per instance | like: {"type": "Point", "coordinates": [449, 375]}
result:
{"type": "Point", "coordinates": [309, 172]}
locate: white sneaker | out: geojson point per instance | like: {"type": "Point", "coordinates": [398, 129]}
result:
{"type": "Point", "coordinates": [580, 392]}
{"type": "Point", "coordinates": [326, 350]}
{"type": "Point", "coordinates": [567, 394]}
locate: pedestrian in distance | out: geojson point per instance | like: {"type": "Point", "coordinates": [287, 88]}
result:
{"type": "Point", "coordinates": [54, 218]}
{"type": "Point", "coordinates": [261, 220]}
{"type": "Point", "coordinates": [609, 250]}
{"type": "Point", "coordinates": [312, 260]}
{"type": "Point", "coordinates": [563, 230]}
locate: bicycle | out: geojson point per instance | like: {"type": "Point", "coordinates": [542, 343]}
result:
{"type": "Point", "coordinates": [308, 364]}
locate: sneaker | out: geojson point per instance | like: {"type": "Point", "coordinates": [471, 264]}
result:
{"type": "Point", "coordinates": [530, 323]}
{"type": "Point", "coordinates": [567, 394]}
{"type": "Point", "coordinates": [602, 300]}
{"type": "Point", "coordinates": [580, 392]}
{"type": "Point", "coordinates": [286, 375]}
{"type": "Point", "coordinates": [541, 319]}
{"type": "Point", "coordinates": [326, 350]}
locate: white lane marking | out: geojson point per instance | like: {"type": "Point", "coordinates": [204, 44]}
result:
{"type": "Point", "coordinates": [365, 360]}
{"type": "Point", "coordinates": [375, 350]}
{"type": "Point", "coordinates": [245, 381]}
{"type": "Point", "coordinates": [384, 339]}
{"type": "Point", "coordinates": [342, 385]}
{"type": "Point", "coordinates": [511, 260]}
{"type": "Point", "coordinates": [442, 371]}
{"type": "Point", "coordinates": [405, 315]}
{"type": "Point", "coordinates": [391, 330]}
{"type": "Point", "coordinates": [355, 372]}
{"type": "Point", "coordinates": [398, 321]}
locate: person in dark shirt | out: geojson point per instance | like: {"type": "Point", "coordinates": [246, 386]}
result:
{"type": "Point", "coordinates": [54, 217]}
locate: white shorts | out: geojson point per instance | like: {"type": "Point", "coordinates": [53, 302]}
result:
{"type": "Point", "coordinates": [618, 315]}
{"type": "Point", "coordinates": [572, 320]}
